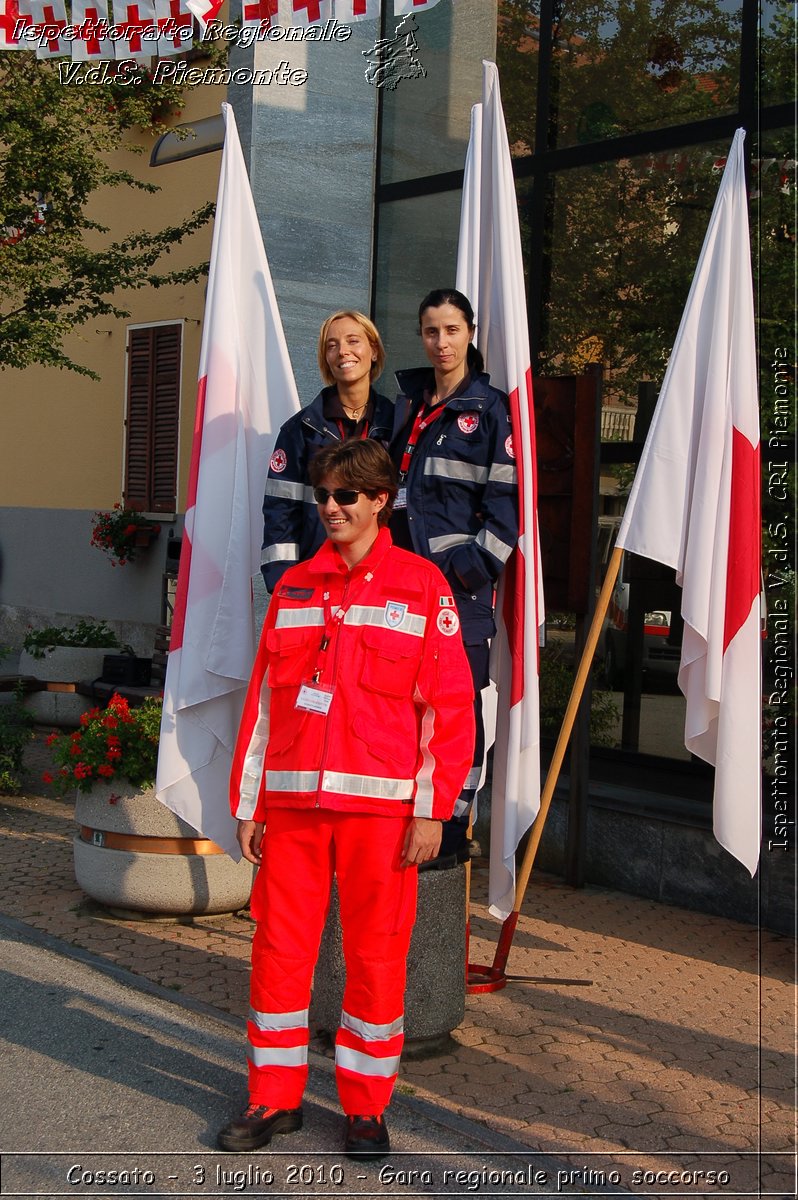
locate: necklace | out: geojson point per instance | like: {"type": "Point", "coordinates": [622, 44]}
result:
{"type": "Point", "coordinates": [354, 413]}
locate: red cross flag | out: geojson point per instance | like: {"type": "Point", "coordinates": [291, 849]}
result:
{"type": "Point", "coordinates": [694, 506]}
{"type": "Point", "coordinates": [204, 11]}
{"type": "Point", "coordinates": [402, 7]}
{"type": "Point", "coordinates": [305, 12]}
{"type": "Point", "coordinates": [132, 18]}
{"type": "Point", "coordinates": [349, 11]}
{"type": "Point", "coordinates": [246, 392]}
{"type": "Point", "coordinates": [260, 13]}
{"type": "Point", "coordinates": [50, 18]}
{"type": "Point", "coordinates": [9, 21]}
{"type": "Point", "coordinates": [176, 26]}
{"type": "Point", "coordinates": [490, 272]}
{"type": "Point", "coordinates": [91, 20]}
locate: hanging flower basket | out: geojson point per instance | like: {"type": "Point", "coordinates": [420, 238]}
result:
{"type": "Point", "coordinates": [121, 533]}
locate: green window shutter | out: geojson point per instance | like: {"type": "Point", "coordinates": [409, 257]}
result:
{"type": "Point", "coordinates": [153, 408]}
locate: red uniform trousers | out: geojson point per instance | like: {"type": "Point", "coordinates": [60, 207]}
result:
{"type": "Point", "coordinates": [301, 849]}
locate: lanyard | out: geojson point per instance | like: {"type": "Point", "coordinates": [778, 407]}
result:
{"type": "Point", "coordinates": [334, 619]}
{"type": "Point", "coordinates": [421, 423]}
{"type": "Point", "coordinates": [345, 437]}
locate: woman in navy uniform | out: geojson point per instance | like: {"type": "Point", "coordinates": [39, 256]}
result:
{"type": "Point", "coordinates": [351, 356]}
{"type": "Point", "coordinates": [458, 492]}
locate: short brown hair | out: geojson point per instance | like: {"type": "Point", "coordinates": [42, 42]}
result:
{"type": "Point", "coordinates": [364, 464]}
{"type": "Point", "coordinates": [371, 332]}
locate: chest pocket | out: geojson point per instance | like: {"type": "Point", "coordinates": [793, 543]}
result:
{"type": "Point", "coordinates": [390, 662]}
{"type": "Point", "coordinates": [290, 652]}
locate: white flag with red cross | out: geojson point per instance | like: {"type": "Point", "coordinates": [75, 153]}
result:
{"type": "Point", "coordinates": [303, 12]}
{"type": "Point", "coordinates": [204, 11]}
{"type": "Point", "coordinates": [694, 506]}
{"type": "Point", "coordinates": [350, 11]}
{"type": "Point", "coordinates": [490, 271]}
{"type": "Point", "coordinates": [246, 392]}
{"type": "Point", "coordinates": [90, 19]}
{"type": "Point", "coordinates": [49, 18]}
{"type": "Point", "coordinates": [132, 18]}
{"type": "Point", "coordinates": [402, 7]}
{"type": "Point", "coordinates": [10, 19]}
{"type": "Point", "coordinates": [260, 14]}
{"type": "Point", "coordinates": [175, 25]}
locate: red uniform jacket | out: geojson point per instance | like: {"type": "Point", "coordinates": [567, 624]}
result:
{"type": "Point", "coordinates": [398, 737]}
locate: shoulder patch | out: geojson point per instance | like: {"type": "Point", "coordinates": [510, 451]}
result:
{"type": "Point", "coordinates": [279, 461]}
{"type": "Point", "coordinates": [508, 445]}
{"type": "Point", "coordinates": [446, 601]}
{"type": "Point", "coordinates": [448, 622]}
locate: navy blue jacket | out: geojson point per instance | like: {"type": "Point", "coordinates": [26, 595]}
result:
{"type": "Point", "coordinates": [462, 491]}
{"type": "Point", "coordinates": [292, 531]}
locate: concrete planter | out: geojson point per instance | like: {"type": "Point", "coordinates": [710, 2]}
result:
{"type": "Point", "coordinates": [133, 855]}
{"type": "Point", "coordinates": [436, 966]}
{"type": "Point", "coordinates": [60, 669]}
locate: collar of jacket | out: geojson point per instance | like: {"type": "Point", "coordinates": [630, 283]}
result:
{"type": "Point", "coordinates": [313, 415]}
{"type": "Point", "coordinates": [328, 561]}
{"type": "Point", "coordinates": [413, 382]}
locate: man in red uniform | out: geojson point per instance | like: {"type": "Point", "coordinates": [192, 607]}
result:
{"type": "Point", "coordinates": [356, 738]}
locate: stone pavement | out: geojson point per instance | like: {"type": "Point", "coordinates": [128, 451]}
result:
{"type": "Point", "coordinates": [641, 1039]}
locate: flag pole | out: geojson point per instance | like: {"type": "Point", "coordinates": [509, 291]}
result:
{"type": "Point", "coordinates": [490, 979]}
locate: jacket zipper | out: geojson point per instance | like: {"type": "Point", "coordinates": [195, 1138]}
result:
{"type": "Point", "coordinates": [336, 656]}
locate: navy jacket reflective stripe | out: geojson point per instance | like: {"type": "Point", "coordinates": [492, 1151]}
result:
{"type": "Point", "coordinates": [462, 490]}
{"type": "Point", "coordinates": [292, 531]}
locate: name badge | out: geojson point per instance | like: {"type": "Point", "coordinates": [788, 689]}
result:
{"type": "Point", "coordinates": [401, 498]}
{"type": "Point", "coordinates": [314, 698]}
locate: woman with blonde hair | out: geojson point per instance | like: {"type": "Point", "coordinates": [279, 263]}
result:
{"type": "Point", "coordinates": [351, 356]}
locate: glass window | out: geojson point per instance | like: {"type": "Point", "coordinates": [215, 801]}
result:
{"type": "Point", "coordinates": [518, 37]}
{"type": "Point", "coordinates": [417, 252]}
{"type": "Point", "coordinates": [777, 53]}
{"type": "Point", "coordinates": [624, 68]}
{"type": "Point", "coordinates": [623, 240]}
{"type": "Point", "coordinates": [426, 121]}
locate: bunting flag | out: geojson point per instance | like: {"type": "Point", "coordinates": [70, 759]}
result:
{"type": "Point", "coordinates": [694, 506]}
{"type": "Point", "coordinates": [176, 26]}
{"type": "Point", "coordinates": [258, 13]}
{"type": "Point", "coordinates": [132, 19]}
{"type": "Point", "coordinates": [204, 11]}
{"type": "Point", "coordinates": [90, 17]}
{"type": "Point", "coordinates": [402, 7]}
{"type": "Point", "coordinates": [49, 17]}
{"type": "Point", "coordinates": [350, 11]}
{"type": "Point", "coordinates": [9, 21]}
{"type": "Point", "coordinates": [490, 272]}
{"type": "Point", "coordinates": [304, 12]}
{"type": "Point", "coordinates": [246, 392]}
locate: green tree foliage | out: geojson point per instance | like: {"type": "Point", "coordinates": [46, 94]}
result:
{"type": "Point", "coordinates": [58, 269]}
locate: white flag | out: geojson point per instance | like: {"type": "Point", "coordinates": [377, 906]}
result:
{"type": "Point", "coordinates": [11, 21]}
{"type": "Point", "coordinates": [490, 272]}
{"type": "Point", "coordinates": [349, 11]}
{"type": "Point", "coordinates": [402, 7]}
{"type": "Point", "coordinates": [175, 25]}
{"type": "Point", "coordinates": [246, 392]}
{"type": "Point", "coordinates": [135, 22]}
{"type": "Point", "coordinates": [50, 20]}
{"type": "Point", "coordinates": [90, 18]}
{"type": "Point", "coordinates": [305, 12]}
{"type": "Point", "coordinates": [695, 507]}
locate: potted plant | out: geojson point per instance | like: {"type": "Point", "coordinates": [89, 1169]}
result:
{"type": "Point", "coordinates": [61, 656]}
{"type": "Point", "coordinates": [122, 533]}
{"type": "Point", "coordinates": [131, 853]}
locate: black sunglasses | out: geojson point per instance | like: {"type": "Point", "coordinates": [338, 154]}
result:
{"type": "Point", "coordinates": [342, 496]}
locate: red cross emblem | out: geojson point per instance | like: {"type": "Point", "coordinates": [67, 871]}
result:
{"type": "Point", "coordinates": [261, 11]}
{"type": "Point", "coordinates": [183, 20]}
{"type": "Point", "coordinates": [88, 30]}
{"type": "Point", "coordinates": [311, 7]}
{"type": "Point", "coordinates": [50, 21]}
{"type": "Point", "coordinates": [468, 422]}
{"type": "Point", "coordinates": [279, 461]}
{"type": "Point", "coordinates": [508, 445]}
{"type": "Point", "coordinates": [133, 27]}
{"type": "Point", "coordinates": [448, 622]}
{"type": "Point", "coordinates": [9, 15]}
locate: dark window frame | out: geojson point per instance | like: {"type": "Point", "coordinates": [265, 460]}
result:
{"type": "Point", "coordinates": [152, 416]}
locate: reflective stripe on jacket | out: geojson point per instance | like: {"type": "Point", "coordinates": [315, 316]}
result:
{"type": "Point", "coordinates": [462, 490]}
{"type": "Point", "coordinates": [292, 531]}
{"type": "Point", "coordinates": [398, 738]}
